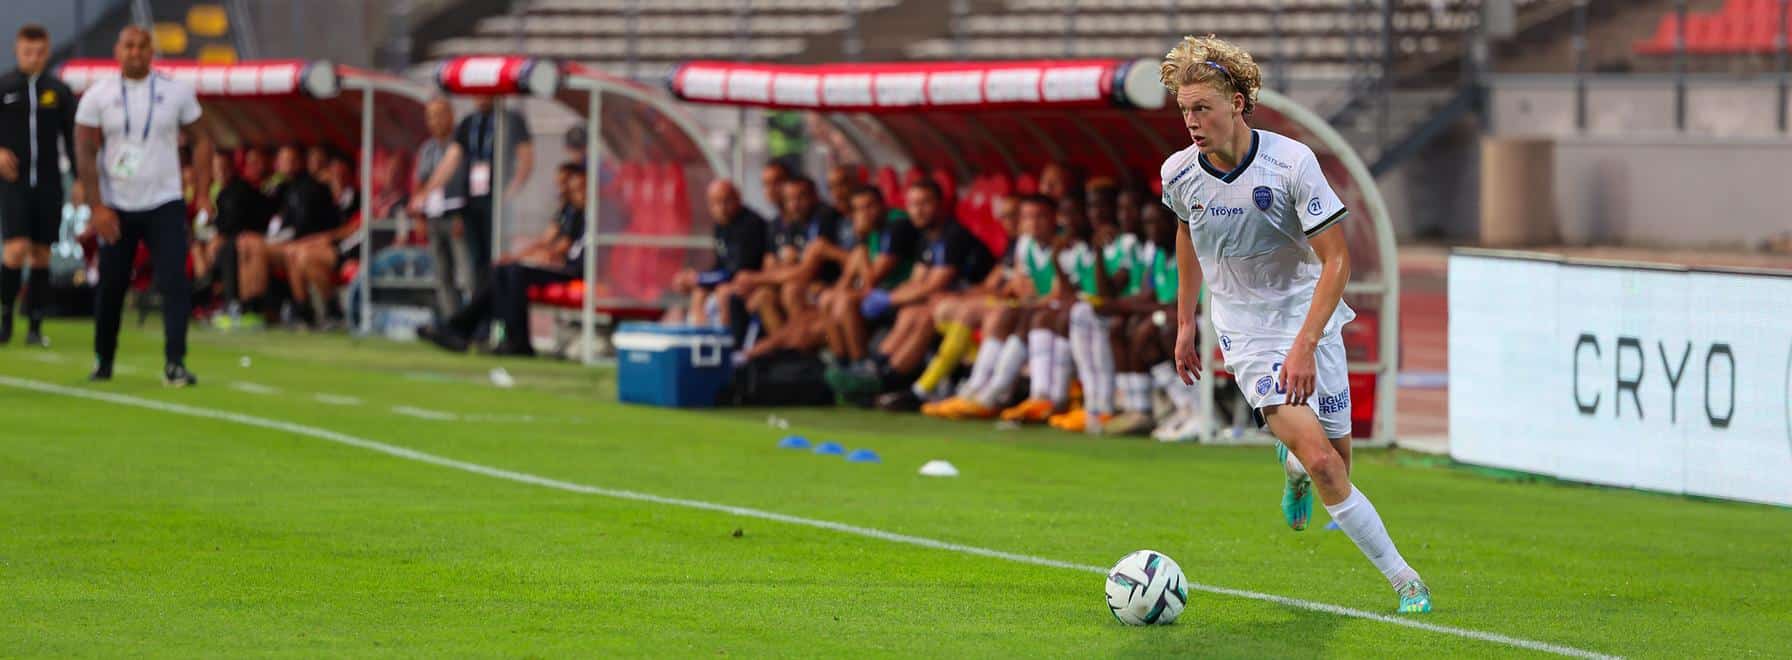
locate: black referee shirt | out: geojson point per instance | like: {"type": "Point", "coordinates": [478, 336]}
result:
{"type": "Point", "coordinates": [35, 113]}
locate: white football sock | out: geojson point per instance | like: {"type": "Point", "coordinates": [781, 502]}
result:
{"type": "Point", "coordinates": [1186, 398]}
{"type": "Point", "coordinates": [1060, 370]}
{"type": "Point", "coordinates": [1082, 339]}
{"type": "Point", "coordinates": [1135, 392]}
{"type": "Point", "coordinates": [987, 352]}
{"type": "Point", "coordinates": [1040, 350]}
{"type": "Point", "coordinates": [1101, 353]}
{"type": "Point", "coordinates": [1001, 379]}
{"type": "Point", "coordinates": [1357, 517]}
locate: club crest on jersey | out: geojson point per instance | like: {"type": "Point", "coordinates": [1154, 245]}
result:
{"type": "Point", "coordinates": [1263, 385]}
{"type": "Point", "coordinates": [47, 99]}
{"type": "Point", "coordinates": [1263, 196]}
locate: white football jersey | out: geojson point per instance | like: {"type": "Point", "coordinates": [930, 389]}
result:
{"type": "Point", "coordinates": [1250, 228]}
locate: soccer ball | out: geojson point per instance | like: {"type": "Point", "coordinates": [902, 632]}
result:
{"type": "Point", "coordinates": [1146, 588]}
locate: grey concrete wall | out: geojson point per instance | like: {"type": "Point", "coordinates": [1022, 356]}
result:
{"type": "Point", "coordinates": [1633, 178]}
{"type": "Point", "coordinates": [1673, 191]}
{"type": "Point", "coordinates": [1544, 106]}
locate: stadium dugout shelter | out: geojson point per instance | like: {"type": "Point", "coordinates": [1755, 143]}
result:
{"type": "Point", "coordinates": [644, 211]}
{"type": "Point", "coordinates": [274, 102]}
{"type": "Point", "coordinates": [987, 127]}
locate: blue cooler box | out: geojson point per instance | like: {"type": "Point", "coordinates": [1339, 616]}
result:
{"type": "Point", "coordinates": [679, 366]}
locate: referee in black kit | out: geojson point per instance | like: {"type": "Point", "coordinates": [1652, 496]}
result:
{"type": "Point", "coordinates": [127, 145]}
{"type": "Point", "coordinates": [37, 113]}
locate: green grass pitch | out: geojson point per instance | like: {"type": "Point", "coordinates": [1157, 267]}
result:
{"type": "Point", "coordinates": [130, 530]}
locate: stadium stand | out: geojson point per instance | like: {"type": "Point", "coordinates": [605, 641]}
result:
{"type": "Point", "coordinates": [1738, 27]}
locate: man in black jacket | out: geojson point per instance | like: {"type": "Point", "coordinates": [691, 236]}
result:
{"type": "Point", "coordinates": [37, 113]}
{"type": "Point", "coordinates": [554, 259]}
{"type": "Point", "coordinates": [741, 238]}
{"type": "Point", "coordinates": [308, 214]}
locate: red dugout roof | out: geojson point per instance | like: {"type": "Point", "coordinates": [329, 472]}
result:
{"type": "Point", "coordinates": [277, 101]}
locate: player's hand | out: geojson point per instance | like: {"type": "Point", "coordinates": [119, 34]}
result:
{"type": "Point", "coordinates": [104, 222]}
{"type": "Point", "coordinates": [1188, 355]}
{"type": "Point", "coordinates": [1297, 375]}
{"type": "Point", "coordinates": [205, 205]}
{"type": "Point", "coordinates": [9, 165]}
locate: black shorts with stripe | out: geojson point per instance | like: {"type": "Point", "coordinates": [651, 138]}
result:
{"type": "Point", "coordinates": [33, 212]}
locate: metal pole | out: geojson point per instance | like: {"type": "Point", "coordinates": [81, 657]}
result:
{"type": "Point", "coordinates": [1680, 65]}
{"type": "Point", "coordinates": [1175, 35]}
{"type": "Point", "coordinates": [742, 9]}
{"type": "Point", "coordinates": [1580, 65]}
{"type": "Point", "coordinates": [1779, 47]}
{"type": "Point", "coordinates": [631, 46]}
{"type": "Point", "coordinates": [851, 45]}
{"type": "Point", "coordinates": [960, 9]}
{"type": "Point", "coordinates": [1070, 28]}
{"type": "Point", "coordinates": [1383, 121]}
{"type": "Point", "coordinates": [588, 306]}
{"type": "Point", "coordinates": [367, 214]}
{"type": "Point", "coordinates": [500, 133]}
{"type": "Point", "coordinates": [1279, 52]}
{"type": "Point", "coordinates": [740, 145]}
{"type": "Point", "coordinates": [516, 26]}
{"type": "Point", "coordinates": [80, 27]}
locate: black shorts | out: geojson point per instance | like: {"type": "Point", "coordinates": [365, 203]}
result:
{"type": "Point", "coordinates": [27, 212]}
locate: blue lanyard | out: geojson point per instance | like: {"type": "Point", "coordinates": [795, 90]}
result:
{"type": "Point", "coordinates": [124, 98]}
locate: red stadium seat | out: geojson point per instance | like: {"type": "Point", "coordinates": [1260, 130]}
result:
{"type": "Point", "coordinates": [889, 185]}
{"type": "Point", "coordinates": [1026, 184]}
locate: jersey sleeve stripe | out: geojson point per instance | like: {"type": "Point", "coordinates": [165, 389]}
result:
{"type": "Point", "coordinates": [1328, 222]}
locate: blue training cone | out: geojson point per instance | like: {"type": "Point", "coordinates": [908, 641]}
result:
{"type": "Point", "coordinates": [863, 456]}
{"type": "Point", "coordinates": [793, 442]}
{"type": "Point", "coordinates": [830, 448]}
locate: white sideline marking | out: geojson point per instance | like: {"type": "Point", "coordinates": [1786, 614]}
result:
{"type": "Point", "coordinates": [336, 399]}
{"type": "Point", "coordinates": [52, 358]}
{"type": "Point", "coordinates": [254, 388]}
{"type": "Point", "coordinates": [545, 482]}
{"type": "Point", "coordinates": [425, 413]}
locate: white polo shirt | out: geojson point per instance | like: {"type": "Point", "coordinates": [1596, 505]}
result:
{"type": "Point", "coordinates": [139, 165]}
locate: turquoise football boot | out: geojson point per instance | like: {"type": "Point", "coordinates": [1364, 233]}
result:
{"type": "Point", "coordinates": [1415, 597]}
{"type": "Point", "coordinates": [1297, 494]}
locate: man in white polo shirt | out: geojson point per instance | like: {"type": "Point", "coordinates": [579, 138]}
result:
{"type": "Point", "coordinates": [127, 139]}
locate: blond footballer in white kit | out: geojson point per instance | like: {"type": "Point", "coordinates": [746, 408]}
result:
{"type": "Point", "coordinates": [1258, 211]}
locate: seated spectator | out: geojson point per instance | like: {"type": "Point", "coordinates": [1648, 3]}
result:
{"type": "Point", "coordinates": [881, 255]}
{"type": "Point", "coordinates": [554, 258]}
{"type": "Point", "coordinates": [238, 252]}
{"type": "Point", "coordinates": [309, 220]}
{"type": "Point", "coordinates": [951, 260]}
{"type": "Point", "coordinates": [771, 180]}
{"type": "Point", "coordinates": [807, 250]}
{"type": "Point", "coordinates": [882, 261]}
{"type": "Point", "coordinates": [842, 180]}
{"type": "Point", "coordinates": [740, 248]}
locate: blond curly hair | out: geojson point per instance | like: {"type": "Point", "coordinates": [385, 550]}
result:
{"type": "Point", "coordinates": [1214, 61]}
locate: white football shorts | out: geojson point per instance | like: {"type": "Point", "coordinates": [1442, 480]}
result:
{"type": "Point", "coordinates": [1257, 376]}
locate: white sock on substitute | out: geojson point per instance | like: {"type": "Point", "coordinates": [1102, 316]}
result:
{"type": "Point", "coordinates": [1082, 340]}
{"type": "Point", "coordinates": [987, 352]}
{"type": "Point", "coordinates": [1186, 398]}
{"type": "Point", "coordinates": [1041, 348]}
{"type": "Point", "coordinates": [1357, 517]}
{"type": "Point", "coordinates": [1135, 392]}
{"type": "Point", "coordinates": [1060, 370]}
{"type": "Point", "coordinates": [1101, 353]}
{"type": "Point", "coordinates": [1001, 379]}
